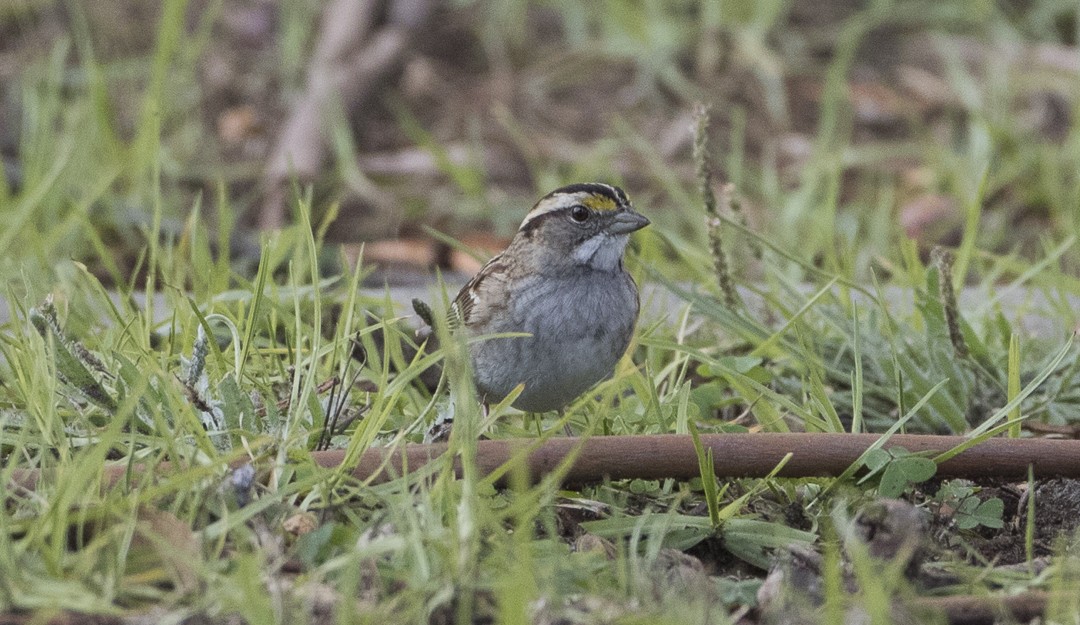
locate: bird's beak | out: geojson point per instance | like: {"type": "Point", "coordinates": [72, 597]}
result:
{"type": "Point", "coordinates": [627, 221]}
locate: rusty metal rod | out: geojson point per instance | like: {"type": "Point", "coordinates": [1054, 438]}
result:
{"type": "Point", "coordinates": [673, 456]}
{"type": "Point", "coordinates": [738, 455]}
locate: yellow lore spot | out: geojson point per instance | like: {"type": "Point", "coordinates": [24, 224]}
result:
{"type": "Point", "coordinates": [599, 203]}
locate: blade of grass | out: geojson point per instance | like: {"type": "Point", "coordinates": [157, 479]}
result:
{"type": "Point", "coordinates": [708, 476]}
{"type": "Point", "coordinates": [881, 441]}
{"type": "Point", "coordinates": [988, 428]}
{"type": "Point", "coordinates": [1014, 385]}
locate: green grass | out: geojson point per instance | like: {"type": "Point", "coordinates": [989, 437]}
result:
{"type": "Point", "coordinates": [233, 367]}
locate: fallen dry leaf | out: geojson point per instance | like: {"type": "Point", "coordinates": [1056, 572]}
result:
{"type": "Point", "coordinates": [166, 541]}
{"type": "Point", "coordinates": [300, 523]}
{"type": "Point", "coordinates": [928, 217]}
{"type": "Point", "coordinates": [237, 124]}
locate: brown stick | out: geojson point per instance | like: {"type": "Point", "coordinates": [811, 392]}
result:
{"type": "Point", "coordinates": [738, 455]}
{"type": "Point", "coordinates": [351, 58]}
{"type": "Point", "coordinates": [734, 455]}
{"type": "Point", "coordinates": [976, 610]}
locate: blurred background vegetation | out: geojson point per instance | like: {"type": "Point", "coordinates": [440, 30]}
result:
{"type": "Point", "coordinates": [217, 152]}
{"type": "Point", "coordinates": [856, 133]}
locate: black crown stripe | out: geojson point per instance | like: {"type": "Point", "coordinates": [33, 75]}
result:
{"type": "Point", "coordinates": [598, 188]}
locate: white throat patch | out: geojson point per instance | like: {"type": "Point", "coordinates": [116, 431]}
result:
{"type": "Point", "coordinates": [601, 251]}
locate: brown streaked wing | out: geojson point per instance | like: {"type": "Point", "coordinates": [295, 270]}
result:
{"type": "Point", "coordinates": [473, 304]}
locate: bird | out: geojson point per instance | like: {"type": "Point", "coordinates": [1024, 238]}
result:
{"type": "Point", "coordinates": [562, 282]}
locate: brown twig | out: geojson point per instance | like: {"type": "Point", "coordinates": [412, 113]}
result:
{"type": "Point", "coordinates": [983, 610]}
{"type": "Point", "coordinates": [1044, 429]}
{"type": "Point", "coordinates": [352, 56]}
{"type": "Point", "coordinates": [673, 456]}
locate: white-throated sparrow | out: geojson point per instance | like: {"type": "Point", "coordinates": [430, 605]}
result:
{"type": "Point", "coordinates": [561, 280]}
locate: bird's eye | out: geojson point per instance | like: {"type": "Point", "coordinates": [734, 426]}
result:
{"type": "Point", "coordinates": [579, 214]}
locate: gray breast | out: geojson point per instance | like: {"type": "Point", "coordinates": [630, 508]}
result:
{"type": "Point", "coordinates": [580, 326]}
